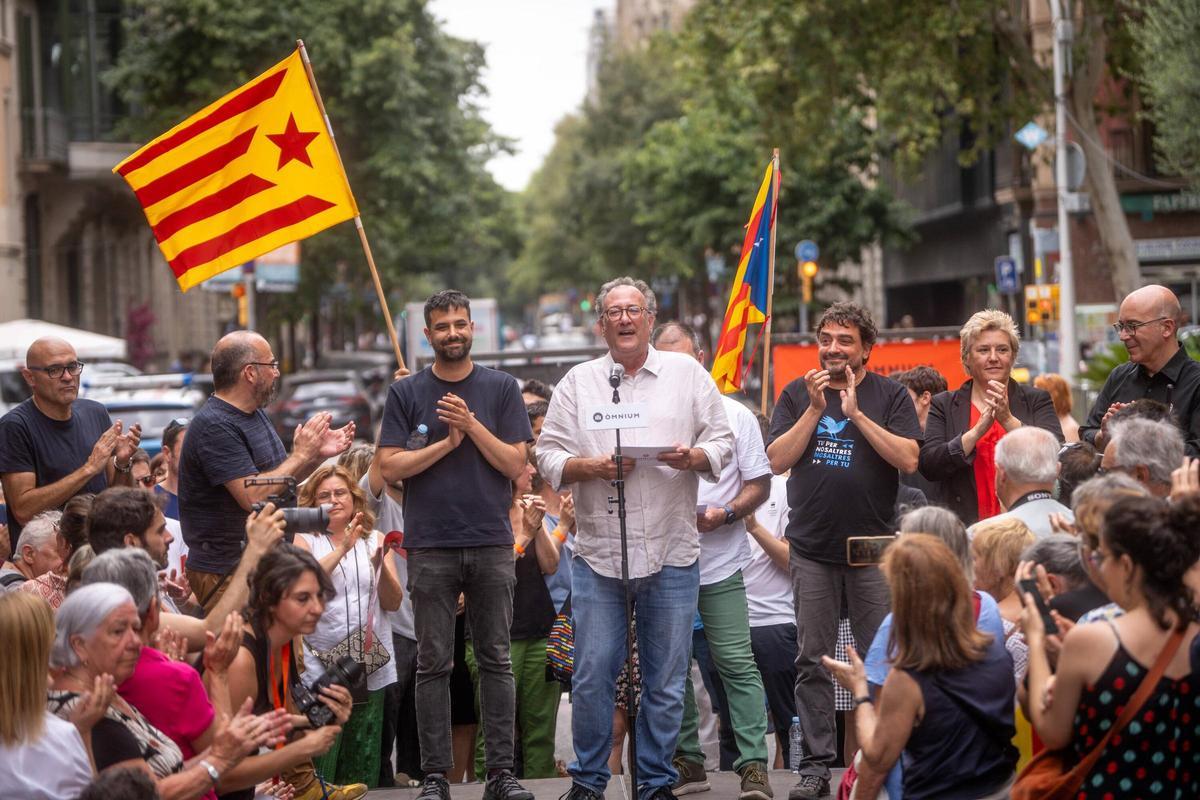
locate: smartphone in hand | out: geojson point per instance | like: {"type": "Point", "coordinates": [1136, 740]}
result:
{"type": "Point", "coordinates": [1029, 586]}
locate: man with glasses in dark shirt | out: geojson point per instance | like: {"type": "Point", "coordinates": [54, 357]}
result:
{"type": "Point", "coordinates": [1159, 368]}
{"type": "Point", "coordinates": [231, 439]}
{"type": "Point", "coordinates": [55, 445]}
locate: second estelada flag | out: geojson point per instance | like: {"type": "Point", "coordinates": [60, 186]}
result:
{"type": "Point", "coordinates": [251, 172]}
{"type": "Point", "coordinates": [751, 291]}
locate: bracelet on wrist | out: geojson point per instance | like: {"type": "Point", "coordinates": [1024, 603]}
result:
{"type": "Point", "coordinates": [860, 700]}
{"type": "Point", "coordinates": [559, 533]}
{"type": "Point", "coordinates": [518, 548]}
{"type": "Point", "coordinates": [127, 468]}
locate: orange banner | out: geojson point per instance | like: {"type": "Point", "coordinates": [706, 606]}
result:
{"type": "Point", "coordinates": [791, 361]}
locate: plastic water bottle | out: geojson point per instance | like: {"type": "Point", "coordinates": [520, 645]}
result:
{"type": "Point", "coordinates": [418, 438]}
{"type": "Point", "coordinates": [795, 746]}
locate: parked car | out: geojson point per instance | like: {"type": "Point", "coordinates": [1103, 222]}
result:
{"type": "Point", "coordinates": [340, 392]}
{"type": "Point", "coordinates": [154, 410]}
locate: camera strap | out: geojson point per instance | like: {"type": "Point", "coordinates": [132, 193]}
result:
{"type": "Point", "coordinates": [279, 697]}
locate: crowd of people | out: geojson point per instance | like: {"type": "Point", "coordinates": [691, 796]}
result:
{"type": "Point", "coordinates": [234, 620]}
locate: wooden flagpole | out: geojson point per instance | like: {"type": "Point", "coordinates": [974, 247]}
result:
{"type": "Point", "coordinates": [766, 362]}
{"type": "Point", "coordinates": [362, 234]}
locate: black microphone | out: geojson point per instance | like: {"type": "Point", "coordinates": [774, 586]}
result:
{"type": "Point", "coordinates": [614, 375]}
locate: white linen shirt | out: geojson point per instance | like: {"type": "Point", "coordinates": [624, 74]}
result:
{"type": "Point", "coordinates": [725, 550]}
{"type": "Point", "coordinates": [683, 407]}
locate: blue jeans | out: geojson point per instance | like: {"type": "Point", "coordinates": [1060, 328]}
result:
{"type": "Point", "coordinates": [666, 605]}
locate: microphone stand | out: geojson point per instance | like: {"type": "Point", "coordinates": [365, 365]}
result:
{"type": "Point", "coordinates": [630, 707]}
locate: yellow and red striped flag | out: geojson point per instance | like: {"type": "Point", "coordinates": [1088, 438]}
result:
{"type": "Point", "coordinates": [751, 291]}
{"type": "Point", "coordinates": [251, 172]}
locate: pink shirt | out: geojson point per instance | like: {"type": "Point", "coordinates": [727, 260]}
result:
{"type": "Point", "coordinates": [172, 698]}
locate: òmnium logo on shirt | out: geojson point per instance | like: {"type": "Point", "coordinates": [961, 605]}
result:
{"type": "Point", "coordinates": [597, 417]}
{"type": "Point", "coordinates": [832, 450]}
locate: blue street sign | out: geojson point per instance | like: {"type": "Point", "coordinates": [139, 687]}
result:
{"type": "Point", "coordinates": [807, 250]}
{"type": "Point", "coordinates": [1031, 135]}
{"type": "Point", "coordinates": [1007, 279]}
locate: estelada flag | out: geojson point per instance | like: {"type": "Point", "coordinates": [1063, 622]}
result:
{"type": "Point", "coordinates": [251, 172]}
{"type": "Point", "coordinates": [748, 299]}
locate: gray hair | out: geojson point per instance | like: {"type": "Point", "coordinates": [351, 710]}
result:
{"type": "Point", "coordinates": [945, 525]}
{"type": "Point", "coordinates": [130, 568]}
{"type": "Point", "coordinates": [1104, 485]}
{"type": "Point", "coordinates": [682, 328]}
{"type": "Point", "coordinates": [1153, 444]}
{"type": "Point", "coordinates": [640, 285]}
{"type": "Point", "coordinates": [1059, 554]}
{"type": "Point", "coordinates": [1029, 455]}
{"type": "Point", "coordinates": [40, 530]}
{"type": "Point", "coordinates": [84, 610]}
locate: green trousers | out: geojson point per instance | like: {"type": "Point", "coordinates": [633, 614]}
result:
{"type": "Point", "coordinates": [354, 757]}
{"type": "Point", "coordinates": [727, 629]}
{"type": "Point", "coordinates": [537, 708]}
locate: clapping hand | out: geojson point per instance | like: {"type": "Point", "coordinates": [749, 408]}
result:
{"type": "Point", "coordinates": [533, 511]}
{"type": "Point", "coordinates": [219, 651]}
{"type": "Point", "coordinates": [1185, 479]}
{"type": "Point", "coordinates": [997, 399]}
{"type": "Point", "coordinates": [175, 585]}
{"type": "Point", "coordinates": [128, 443]}
{"type": "Point", "coordinates": [816, 382]}
{"type": "Point", "coordinates": [92, 705]}
{"type": "Point", "coordinates": [849, 395]}
{"type": "Point", "coordinates": [170, 643]}
{"type": "Point", "coordinates": [852, 675]}
{"type": "Point", "coordinates": [566, 515]}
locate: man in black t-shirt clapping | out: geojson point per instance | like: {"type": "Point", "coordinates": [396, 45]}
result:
{"type": "Point", "coordinates": [846, 434]}
{"type": "Point", "coordinates": [457, 476]}
{"type": "Point", "coordinates": [56, 445]}
{"type": "Point", "coordinates": [231, 439]}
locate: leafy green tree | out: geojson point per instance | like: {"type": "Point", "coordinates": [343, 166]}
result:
{"type": "Point", "coordinates": [1166, 37]}
{"type": "Point", "coordinates": [403, 97]}
{"type": "Point", "coordinates": [918, 69]}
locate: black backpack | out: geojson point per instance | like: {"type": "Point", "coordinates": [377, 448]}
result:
{"type": "Point", "coordinates": [11, 579]}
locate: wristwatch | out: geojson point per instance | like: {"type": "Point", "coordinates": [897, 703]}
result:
{"type": "Point", "coordinates": [730, 516]}
{"type": "Point", "coordinates": [211, 770]}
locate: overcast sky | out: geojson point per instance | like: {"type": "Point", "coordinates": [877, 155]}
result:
{"type": "Point", "coordinates": [536, 69]}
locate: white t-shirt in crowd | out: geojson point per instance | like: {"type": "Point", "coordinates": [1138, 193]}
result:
{"type": "Point", "coordinates": [177, 550]}
{"type": "Point", "coordinates": [769, 588]}
{"type": "Point", "coordinates": [54, 766]}
{"type": "Point", "coordinates": [389, 516]}
{"type": "Point", "coordinates": [724, 551]}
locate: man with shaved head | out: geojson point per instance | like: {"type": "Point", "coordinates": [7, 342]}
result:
{"type": "Point", "coordinates": [55, 445]}
{"type": "Point", "coordinates": [1159, 368]}
{"type": "Point", "coordinates": [231, 439]}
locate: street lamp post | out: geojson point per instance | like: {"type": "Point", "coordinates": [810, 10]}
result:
{"type": "Point", "coordinates": [1068, 347]}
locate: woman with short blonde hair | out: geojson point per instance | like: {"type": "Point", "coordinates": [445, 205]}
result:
{"type": "Point", "coordinates": [964, 426]}
{"type": "Point", "coordinates": [997, 545]}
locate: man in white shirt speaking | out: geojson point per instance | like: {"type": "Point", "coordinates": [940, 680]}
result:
{"type": "Point", "coordinates": [682, 424]}
{"type": "Point", "coordinates": [724, 552]}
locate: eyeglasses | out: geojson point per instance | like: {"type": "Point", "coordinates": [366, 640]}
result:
{"type": "Point", "coordinates": [146, 480]}
{"type": "Point", "coordinates": [271, 364]}
{"type": "Point", "coordinates": [338, 494]}
{"type": "Point", "coordinates": [634, 312]}
{"type": "Point", "coordinates": [1096, 558]}
{"type": "Point", "coordinates": [55, 371]}
{"type": "Point", "coordinates": [1131, 327]}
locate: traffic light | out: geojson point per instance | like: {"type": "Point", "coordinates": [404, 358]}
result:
{"type": "Point", "coordinates": [807, 270]}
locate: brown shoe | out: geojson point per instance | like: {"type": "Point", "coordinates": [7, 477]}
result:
{"type": "Point", "coordinates": [692, 777]}
{"type": "Point", "coordinates": [755, 785]}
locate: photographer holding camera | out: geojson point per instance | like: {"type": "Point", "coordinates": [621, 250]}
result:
{"type": "Point", "coordinates": [229, 440]}
{"type": "Point", "coordinates": [288, 593]}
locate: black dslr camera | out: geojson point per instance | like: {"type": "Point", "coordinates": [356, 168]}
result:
{"type": "Point", "coordinates": [295, 520]}
{"type": "Point", "coordinates": [344, 672]}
